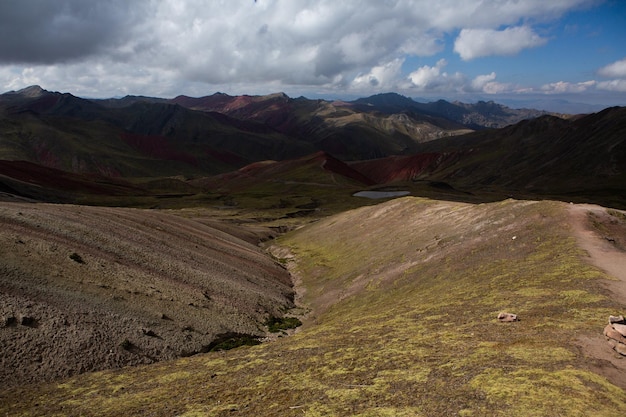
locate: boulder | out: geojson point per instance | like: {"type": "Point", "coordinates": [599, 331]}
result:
{"type": "Point", "coordinates": [507, 317]}
{"type": "Point", "coordinates": [611, 333]}
{"type": "Point", "coordinates": [615, 333]}
{"type": "Point", "coordinates": [620, 328]}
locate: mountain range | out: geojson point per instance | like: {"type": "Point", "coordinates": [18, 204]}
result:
{"type": "Point", "coordinates": [220, 132]}
{"type": "Point", "coordinates": [125, 144]}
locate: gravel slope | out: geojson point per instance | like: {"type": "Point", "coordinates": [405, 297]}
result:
{"type": "Point", "coordinates": [90, 288]}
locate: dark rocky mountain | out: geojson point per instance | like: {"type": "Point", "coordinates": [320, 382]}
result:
{"type": "Point", "coordinates": [386, 138]}
{"type": "Point", "coordinates": [477, 116]}
{"type": "Point", "coordinates": [128, 100]}
{"type": "Point", "coordinates": [347, 130]}
{"type": "Point", "coordinates": [581, 159]}
{"type": "Point", "coordinates": [547, 156]}
{"type": "Point", "coordinates": [142, 136]}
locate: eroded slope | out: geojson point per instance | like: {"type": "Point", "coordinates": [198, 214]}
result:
{"type": "Point", "coordinates": [87, 288]}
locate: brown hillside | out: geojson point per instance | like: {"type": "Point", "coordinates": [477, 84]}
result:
{"type": "Point", "coordinates": [319, 169]}
{"type": "Point", "coordinates": [405, 168]}
{"type": "Point", "coordinates": [46, 178]}
{"type": "Point", "coordinates": [88, 288]}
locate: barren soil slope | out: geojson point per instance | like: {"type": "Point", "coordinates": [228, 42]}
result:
{"type": "Point", "coordinates": [88, 288]}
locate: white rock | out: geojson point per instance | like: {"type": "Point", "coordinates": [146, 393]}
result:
{"type": "Point", "coordinates": [507, 317]}
{"type": "Point", "coordinates": [621, 328]}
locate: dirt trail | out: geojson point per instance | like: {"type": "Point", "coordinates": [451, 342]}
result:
{"type": "Point", "coordinates": [603, 236]}
{"type": "Point", "coordinates": [604, 244]}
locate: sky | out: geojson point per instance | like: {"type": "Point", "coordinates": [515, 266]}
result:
{"type": "Point", "coordinates": [467, 50]}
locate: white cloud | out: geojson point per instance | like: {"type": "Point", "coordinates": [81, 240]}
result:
{"type": "Point", "coordinates": [613, 85]}
{"type": "Point", "coordinates": [615, 70]}
{"type": "Point", "coordinates": [425, 75]}
{"type": "Point", "coordinates": [169, 47]}
{"type": "Point", "coordinates": [480, 81]}
{"type": "Point", "coordinates": [433, 79]}
{"type": "Point", "coordinates": [427, 78]}
{"type": "Point", "coordinates": [487, 84]}
{"type": "Point", "coordinates": [561, 87]}
{"type": "Point", "coordinates": [380, 78]}
{"type": "Point", "coordinates": [423, 44]}
{"type": "Point", "coordinates": [474, 43]}
{"type": "Point", "coordinates": [452, 14]}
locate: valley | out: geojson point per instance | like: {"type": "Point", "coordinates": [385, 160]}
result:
{"type": "Point", "coordinates": [148, 245]}
{"type": "Point", "coordinates": [402, 299]}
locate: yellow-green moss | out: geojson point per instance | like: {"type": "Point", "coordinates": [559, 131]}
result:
{"type": "Point", "coordinates": [565, 392]}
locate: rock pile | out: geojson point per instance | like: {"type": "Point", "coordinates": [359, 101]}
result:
{"type": "Point", "coordinates": [615, 333]}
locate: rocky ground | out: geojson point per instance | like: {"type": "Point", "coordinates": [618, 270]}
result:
{"type": "Point", "coordinates": [89, 288]}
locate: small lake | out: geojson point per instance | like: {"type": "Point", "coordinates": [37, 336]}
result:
{"type": "Point", "coordinates": [381, 194]}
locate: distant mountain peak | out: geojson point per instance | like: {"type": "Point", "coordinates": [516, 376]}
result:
{"type": "Point", "coordinates": [387, 101]}
{"type": "Point", "coordinates": [32, 91]}
{"type": "Point", "coordinates": [389, 94]}
{"type": "Point", "coordinates": [387, 97]}
{"type": "Point", "coordinates": [276, 95]}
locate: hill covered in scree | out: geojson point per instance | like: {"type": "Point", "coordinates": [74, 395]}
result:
{"type": "Point", "coordinates": [90, 288]}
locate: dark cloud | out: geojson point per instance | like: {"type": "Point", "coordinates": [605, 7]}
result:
{"type": "Point", "coordinates": [54, 31]}
{"type": "Point", "coordinates": [329, 63]}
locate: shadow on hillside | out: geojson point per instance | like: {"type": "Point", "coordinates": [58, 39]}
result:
{"type": "Point", "coordinates": [329, 200]}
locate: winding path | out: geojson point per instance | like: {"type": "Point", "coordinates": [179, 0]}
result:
{"type": "Point", "coordinates": [602, 253]}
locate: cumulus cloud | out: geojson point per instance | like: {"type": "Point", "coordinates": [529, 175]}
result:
{"type": "Point", "coordinates": [487, 84]}
{"type": "Point", "coordinates": [426, 75]}
{"type": "Point", "coordinates": [561, 87]}
{"type": "Point", "coordinates": [436, 79]}
{"type": "Point", "coordinates": [166, 47]}
{"type": "Point", "coordinates": [427, 78]}
{"type": "Point", "coordinates": [381, 77]}
{"type": "Point", "coordinates": [480, 81]}
{"type": "Point", "coordinates": [615, 70]}
{"type": "Point", "coordinates": [474, 43]}
{"type": "Point", "coordinates": [451, 14]}
{"type": "Point", "coordinates": [613, 85]}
